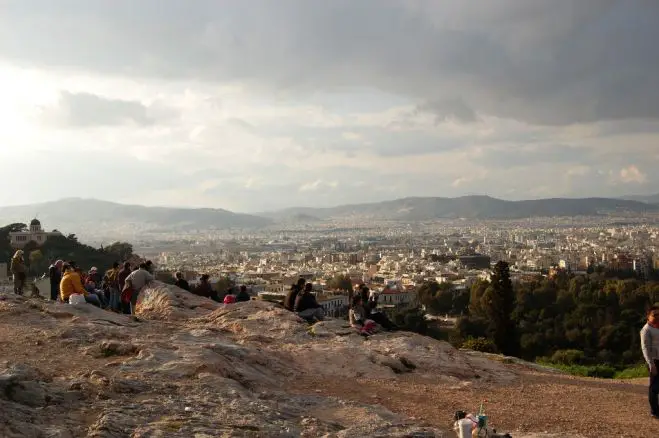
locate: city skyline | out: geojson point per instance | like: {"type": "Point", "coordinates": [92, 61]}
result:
{"type": "Point", "coordinates": [260, 107]}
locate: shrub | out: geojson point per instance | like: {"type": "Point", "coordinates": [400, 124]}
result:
{"type": "Point", "coordinates": [480, 344]}
{"type": "Point", "coordinates": [568, 357]}
{"type": "Point", "coordinates": [636, 372]}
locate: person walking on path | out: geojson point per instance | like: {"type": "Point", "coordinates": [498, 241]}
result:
{"type": "Point", "coordinates": [650, 346]}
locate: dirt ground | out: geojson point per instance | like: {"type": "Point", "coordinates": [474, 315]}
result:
{"type": "Point", "coordinates": [537, 402]}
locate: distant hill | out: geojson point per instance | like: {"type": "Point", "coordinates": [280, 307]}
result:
{"type": "Point", "coordinates": [75, 215]}
{"type": "Point", "coordinates": [474, 207]}
{"type": "Point", "coordinates": [648, 199]}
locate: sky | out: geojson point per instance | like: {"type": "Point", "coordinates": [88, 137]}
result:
{"type": "Point", "coordinates": [259, 105]}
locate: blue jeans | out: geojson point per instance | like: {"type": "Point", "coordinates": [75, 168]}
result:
{"type": "Point", "coordinates": [93, 299]}
{"type": "Point", "coordinates": [115, 297]}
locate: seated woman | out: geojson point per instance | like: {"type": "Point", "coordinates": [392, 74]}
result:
{"type": "Point", "coordinates": [358, 318]}
{"type": "Point", "coordinates": [307, 307]}
{"type": "Point", "coordinates": [205, 289]}
{"type": "Point", "coordinates": [378, 316]}
{"type": "Point", "coordinates": [72, 284]}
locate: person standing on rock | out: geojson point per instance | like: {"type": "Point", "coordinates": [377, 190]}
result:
{"type": "Point", "coordinates": [19, 272]}
{"type": "Point", "coordinates": [137, 280]}
{"type": "Point", "coordinates": [111, 285]}
{"type": "Point", "coordinates": [121, 282]}
{"type": "Point", "coordinates": [650, 346]}
{"type": "Point", "coordinates": [55, 274]}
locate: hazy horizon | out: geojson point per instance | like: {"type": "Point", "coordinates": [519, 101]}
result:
{"type": "Point", "coordinates": [257, 212]}
{"type": "Point", "coordinates": [259, 106]}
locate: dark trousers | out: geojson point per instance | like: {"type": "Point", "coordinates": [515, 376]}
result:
{"type": "Point", "coordinates": [54, 291]}
{"type": "Point", "coordinates": [654, 391]}
{"type": "Point", "coordinates": [382, 319]}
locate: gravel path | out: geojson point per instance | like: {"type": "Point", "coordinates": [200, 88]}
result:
{"type": "Point", "coordinates": [538, 402]}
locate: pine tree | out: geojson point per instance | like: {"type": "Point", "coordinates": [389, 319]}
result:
{"type": "Point", "coordinates": [499, 303]}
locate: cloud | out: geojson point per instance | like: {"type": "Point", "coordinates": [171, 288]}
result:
{"type": "Point", "coordinates": [84, 110]}
{"type": "Point", "coordinates": [632, 175]}
{"type": "Point", "coordinates": [541, 62]}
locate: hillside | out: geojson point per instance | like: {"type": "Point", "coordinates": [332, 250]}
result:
{"type": "Point", "coordinates": [188, 367]}
{"type": "Point", "coordinates": [474, 207]}
{"type": "Point", "coordinates": [649, 199]}
{"type": "Point", "coordinates": [79, 215]}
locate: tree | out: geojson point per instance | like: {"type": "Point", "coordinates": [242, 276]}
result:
{"type": "Point", "coordinates": [122, 250]}
{"type": "Point", "coordinates": [223, 284]}
{"type": "Point", "coordinates": [499, 301]}
{"type": "Point", "coordinates": [36, 262]}
{"type": "Point", "coordinates": [341, 282]}
{"type": "Point", "coordinates": [438, 298]}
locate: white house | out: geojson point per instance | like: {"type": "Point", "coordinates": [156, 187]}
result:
{"type": "Point", "coordinates": [35, 233]}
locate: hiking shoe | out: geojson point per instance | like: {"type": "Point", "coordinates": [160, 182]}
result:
{"type": "Point", "coordinates": [655, 417]}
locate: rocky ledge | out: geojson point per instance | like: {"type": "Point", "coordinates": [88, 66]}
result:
{"type": "Point", "coordinates": [187, 367]}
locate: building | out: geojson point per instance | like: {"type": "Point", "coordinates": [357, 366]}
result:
{"type": "Point", "coordinates": [35, 233]}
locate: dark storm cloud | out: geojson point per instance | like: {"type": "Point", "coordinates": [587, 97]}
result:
{"type": "Point", "coordinates": [543, 62]}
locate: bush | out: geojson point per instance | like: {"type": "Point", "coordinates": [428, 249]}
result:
{"type": "Point", "coordinates": [568, 357]}
{"type": "Point", "coordinates": [480, 344]}
{"type": "Point", "coordinates": [598, 371]}
{"type": "Point", "coordinates": [637, 372]}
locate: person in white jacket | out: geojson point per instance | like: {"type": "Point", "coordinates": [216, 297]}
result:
{"type": "Point", "coordinates": [650, 347]}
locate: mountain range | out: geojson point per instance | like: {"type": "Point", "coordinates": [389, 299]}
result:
{"type": "Point", "coordinates": [471, 207]}
{"type": "Point", "coordinates": [90, 214]}
{"type": "Point", "coordinates": [649, 199]}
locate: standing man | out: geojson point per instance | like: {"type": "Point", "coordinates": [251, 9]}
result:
{"type": "Point", "coordinates": [137, 280]}
{"type": "Point", "coordinates": [111, 285]}
{"type": "Point", "coordinates": [55, 274]}
{"type": "Point", "coordinates": [19, 271]}
{"type": "Point", "coordinates": [650, 346]}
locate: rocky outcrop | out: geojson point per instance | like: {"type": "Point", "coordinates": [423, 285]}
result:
{"type": "Point", "coordinates": [188, 367]}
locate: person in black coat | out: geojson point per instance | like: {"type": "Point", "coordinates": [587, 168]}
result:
{"type": "Point", "coordinates": [55, 274]}
{"type": "Point", "coordinates": [307, 307]}
{"type": "Point", "coordinates": [243, 295]}
{"type": "Point", "coordinates": [181, 282]}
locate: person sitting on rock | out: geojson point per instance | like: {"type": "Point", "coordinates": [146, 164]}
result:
{"type": "Point", "coordinates": [358, 317]}
{"type": "Point", "coordinates": [205, 289]}
{"type": "Point", "coordinates": [291, 296]}
{"type": "Point", "coordinates": [306, 305]}
{"type": "Point", "coordinates": [375, 314]}
{"type": "Point", "coordinates": [243, 295]}
{"type": "Point", "coordinates": [181, 282]}
{"type": "Point", "coordinates": [71, 284]}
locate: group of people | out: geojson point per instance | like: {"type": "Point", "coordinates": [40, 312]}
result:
{"type": "Point", "coordinates": [205, 289]}
{"type": "Point", "coordinates": [116, 290]}
{"type": "Point", "coordinates": [302, 301]}
{"type": "Point", "coordinates": [364, 314]}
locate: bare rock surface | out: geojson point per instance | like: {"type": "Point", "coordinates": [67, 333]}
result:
{"type": "Point", "coordinates": [189, 367]}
